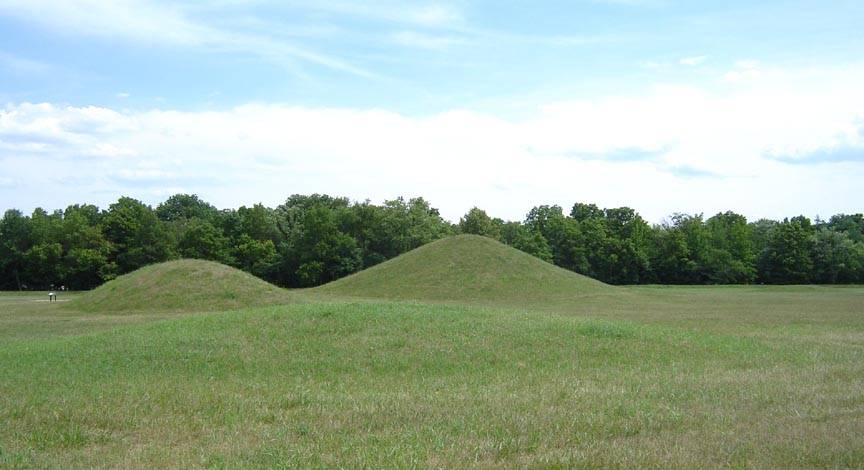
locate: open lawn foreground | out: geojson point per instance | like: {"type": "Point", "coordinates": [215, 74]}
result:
{"type": "Point", "coordinates": [658, 377]}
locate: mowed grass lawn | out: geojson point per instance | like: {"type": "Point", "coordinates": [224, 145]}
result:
{"type": "Point", "coordinates": [649, 376]}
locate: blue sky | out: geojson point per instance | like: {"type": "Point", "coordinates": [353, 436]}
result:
{"type": "Point", "coordinates": [656, 104]}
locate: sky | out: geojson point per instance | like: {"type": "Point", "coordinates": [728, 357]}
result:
{"type": "Point", "coordinates": [664, 106]}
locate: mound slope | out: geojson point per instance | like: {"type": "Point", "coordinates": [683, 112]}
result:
{"type": "Point", "coordinates": [468, 269]}
{"type": "Point", "coordinates": [181, 285]}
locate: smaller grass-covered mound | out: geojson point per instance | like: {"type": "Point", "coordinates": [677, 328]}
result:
{"type": "Point", "coordinates": [184, 286]}
{"type": "Point", "coordinates": [469, 269]}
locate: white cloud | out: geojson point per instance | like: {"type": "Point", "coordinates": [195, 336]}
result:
{"type": "Point", "coordinates": [693, 61]}
{"type": "Point", "coordinates": [744, 70]}
{"type": "Point", "coordinates": [661, 149]}
{"type": "Point", "coordinates": [747, 64]}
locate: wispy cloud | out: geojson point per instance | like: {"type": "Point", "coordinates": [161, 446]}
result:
{"type": "Point", "coordinates": [425, 15]}
{"type": "Point", "coordinates": [426, 41]}
{"type": "Point", "coordinates": [299, 36]}
{"type": "Point", "coordinates": [640, 3]}
{"type": "Point", "coordinates": [134, 19]}
{"type": "Point", "coordinates": [150, 22]}
{"type": "Point", "coordinates": [22, 65]}
{"type": "Point", "coordinates": [670, 64]}
{"type": "Point", "coordinates": [686, 171]}
{"type": "Point", "coordinates": [621, 155]}
{"type": "Point", "coordinates": [838, 154]}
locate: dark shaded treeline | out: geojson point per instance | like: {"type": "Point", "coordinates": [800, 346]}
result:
{"type": "Point", "coordinates": [310, 240]}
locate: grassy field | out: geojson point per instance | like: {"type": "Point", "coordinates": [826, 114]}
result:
{"type": "Point", "coordinates": [642, 376]}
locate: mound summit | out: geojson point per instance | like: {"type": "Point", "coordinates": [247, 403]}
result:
{"type": "Point", "coordinates": [181, 285]}
{"type": "Point", "coordinates": [468, 269]}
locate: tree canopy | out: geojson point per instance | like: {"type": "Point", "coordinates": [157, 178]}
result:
{"type": "Point", "coordinates": [313, 239]}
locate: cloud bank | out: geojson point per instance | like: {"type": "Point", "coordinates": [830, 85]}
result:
{"type": "Point", "coordinates": [767, 148]}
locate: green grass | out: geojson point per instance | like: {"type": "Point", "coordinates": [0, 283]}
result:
{"type": "Point", "coordinates": [27, 316]}
{"type": "Point", "coordinates": [181, 286]}
{"type": "Point", "coordinates": [655, 377]}
{"type": "Point", "coordinates": [469, 269]}
{"type": "Point", "coordinates": [463, 353]}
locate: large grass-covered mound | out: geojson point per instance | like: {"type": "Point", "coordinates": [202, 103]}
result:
{"type": "Point", "coordinates": [468, 269]}
{"type": "Point", "coordinates": [181, 285]}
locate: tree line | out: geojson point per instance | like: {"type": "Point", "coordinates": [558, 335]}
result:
{"type": "Point", "coordinates": [313, 239]}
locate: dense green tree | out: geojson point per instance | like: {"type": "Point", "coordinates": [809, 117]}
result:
{"type": "Point", "coordinates": [311, 242]}
{"type": "Point", "coordinates": [87, 214]}
{"type": "Point", "coordinates": [545, 220]}
{"type": "Point", "coordinates": [852, 225]}
{"type": "Point", "coordinates": [581, 212]}
{"type": "Point", "coordinates": [698, 244]}
{"type": "Point", "coordinates": [477, 222]}
{"type": "Point", "coordinates": [202, 240]}
{"type": "Point", "coordinates": [836, 258]}
{"type": "Point", "coordinates": [252, 236]}
{"type": "Point", "coordinates": [679, 252]}
{"type": "Point", "coordinates": [45, 228]}
{"type": "Point", "coordinates": [614, 244]}
{"type": "Point", "coordinates": [670, 257]}
{"type": "Point", "coordinates": [627, 246]}
{"type": "Point", "coordinates": [365, 223]}
{"type": "Point", "coordinates": [760, 233]}
{"type": "Point", "coordinates": [534, 243]}
{"type": "Point", "coordinates": [624, 223]}
{"type": "Point", "coordinates": [412, 224]}
{"type": "Point", "coordinates": [42, 260]}
{"type": "Point", "coordinates": [258, 257]}
{"type": "Point", "coordinates": [44, 269]}
{"type": "Point", "coordinates": [787, 258]}
{"type": "Point", "coordinates": [322, 251]}
{"type": "Point", "coordinates": [184, 207]}
{"type": "Point", "coordinates": [258, 222]}
{"type": "Point", "coordinates": [623, 262]}
{"type": "Point", "coordinates": [729, 259]}
{"type": "Point", "coordinates": [86, 251]}
{"type": "Point", "coordinates": [137, 236]}
{"type": "Point", "coordinates": [569, 248]}
{"type": "Point", "coordinates": [312, 239]}
{"type": "Point", "coordinates": [86, 268]}
{"type": "Point", "coordinates": [315, 250]}
{"type": "Point", "coordinates": [563, 235]}
{"type": "Point", "coordinates": [14, 242]}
